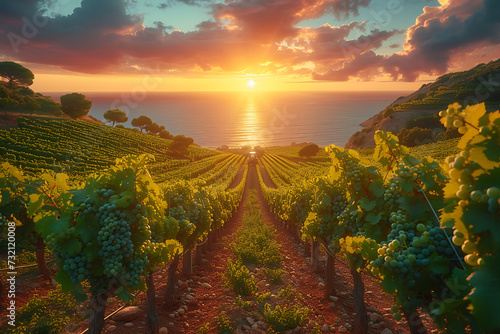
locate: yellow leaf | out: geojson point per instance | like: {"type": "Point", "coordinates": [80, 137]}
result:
{"type": "Point", "coordinates": [474, 113]}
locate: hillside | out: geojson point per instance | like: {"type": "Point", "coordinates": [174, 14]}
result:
{"type": "Point", "coordinates": [81, 147]}
{"type": "Point", "coordinates": [479, 84]}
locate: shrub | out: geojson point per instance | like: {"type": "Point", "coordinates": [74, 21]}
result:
{"type": "Point", "coordinates": [274, 275]}
{"type": "Point", "coordinates": [415, 136]}
{"type": "Point", "coordinates": [237, 278]}
{"type": "Point", "coordinates": [224, 325]}
{"type": "Point", "coordinates": [289, 293]}
{"type": "Point", "coordinates": [283, 318]}
{"type": "Point", "coordinates": [48, 315]}
{"type": "Point", "coordinates": [309, 150]}
{"type": "Point", "coordinates": [425, 122]}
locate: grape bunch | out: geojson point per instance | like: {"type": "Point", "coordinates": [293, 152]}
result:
{"type": "Point", "coordinates": [329, 210]}
{"type": "Point", "coordinates": [78, 267]}
{"type": "Point", "coordinates": [350, 219]}
{"type": "Point", "coordinates": [411, 247]}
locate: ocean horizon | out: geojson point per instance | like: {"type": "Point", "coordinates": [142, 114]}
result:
{"type": "Point", "coordinates": [251, 118]}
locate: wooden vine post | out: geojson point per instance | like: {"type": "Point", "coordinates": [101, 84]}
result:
{"type": "Point", "coordinates": [187, 262]}
{"type": "Point", "coordinates": [315, 255]}
{"type": "Point", "coordinates": [330, 275]}
{"type": "Point", "coordinates": [152, 318]}
{"type": "Point", "coordinates": [40, 259]}
{"type": "Point", "coordinates": [172, 280]}
{"type": "Point", "coordinates": [361, 320]}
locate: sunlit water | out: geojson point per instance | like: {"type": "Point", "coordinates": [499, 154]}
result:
{"type": "Point", "coordinates": [250, 118]}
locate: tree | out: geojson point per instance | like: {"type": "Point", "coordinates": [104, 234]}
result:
{"type": "Point", "coordinates": [309, 150]}
{"type": "Point", "coordinates": [16, 74]}
{"type": "Point", "coordinates": [179, 148]}
{"type": "Point", "coordinates": [154, 128]}
{"type": "Point", "coordinates": [7, 104]}
{"type": "Point", "coordinates": [166, 135]}
{"type": "Point", "coordinates": [415, 136]}
{"type": "Point", "coordinates": [75, 105]}
{"type": "Point", "coordinates": [141, 122]}
{"type": "Point", "coordinates": [115, 116]}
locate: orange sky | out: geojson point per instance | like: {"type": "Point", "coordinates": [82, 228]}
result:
{"type": "Point", "coordinates": [286, 45]}
{"type": "Point", "coordinates": [97, 83]}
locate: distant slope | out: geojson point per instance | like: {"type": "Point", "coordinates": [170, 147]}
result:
{"type": "Point", "coordinates": [80, 147]}
{"type": "Point", "coordinates": [479, 84]}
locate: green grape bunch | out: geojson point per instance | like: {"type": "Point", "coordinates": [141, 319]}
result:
{"type": "Point", "coordinates": [118, 233]}
{"type": "Point", "coordinates": [474, 180]}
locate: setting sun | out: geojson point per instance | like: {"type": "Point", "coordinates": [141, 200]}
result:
{"type": "Point", "coordinates": [251, 84]}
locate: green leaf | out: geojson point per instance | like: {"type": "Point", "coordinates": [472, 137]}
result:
{"type": "Point", "coordinates": [74, 247]}
{"type": "Point", "coordinates": [439, 265]}
{"type": "Point", "coordinates": [63, 278]}
{"type": "Point", "coordinates": [486, 294]}
{"type": "Point", "coordinates": [46, 223]}
{"type": "Point", "coordinates": [373, 218]}
{"type": "Point", "coordinates": [79, 293]}
{"type": "Point", "coordinates": [124, 295]}
{"type": "Point", "coordinates": [366, 204]}
{"type": "Point", "coordinates": [377, 187]}
{"type": "Point", "coordinates": [35, 203]}
{"type": "Point", "coordinates": [407, 186]}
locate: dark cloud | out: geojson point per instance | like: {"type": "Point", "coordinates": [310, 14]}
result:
{"type": "Point", "coordinates": [170, 3]}
{"type": "Point", "coordinates": [256, 36]}
{"type": "Point", "coordinates": [440, 35]}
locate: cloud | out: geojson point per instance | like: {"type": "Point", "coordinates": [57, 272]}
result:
{"type": "Point", "coordinates": [253, 36]}
{"type": "Point", "coordinates": [103, 37]}
{"type": "Point", "coordinates": [439, 36]}
{"type": "Point", "coordinates": [170, 3]}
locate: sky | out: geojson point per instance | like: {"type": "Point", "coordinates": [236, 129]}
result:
{"type": "Point", "coordinates": [204, 45]}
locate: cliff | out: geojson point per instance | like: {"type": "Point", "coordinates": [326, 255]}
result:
{"type": "Point", "coordinates": [479, 84]}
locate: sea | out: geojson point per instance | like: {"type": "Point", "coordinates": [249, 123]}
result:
{"type": "Point", "coordinates": [238, 119]}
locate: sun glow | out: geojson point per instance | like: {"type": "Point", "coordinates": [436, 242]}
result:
{"type": "Point", "coordinates": [251, 84]}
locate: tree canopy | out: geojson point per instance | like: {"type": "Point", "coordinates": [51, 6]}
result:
{"type": "Point", "coordinates": [141, 122]}
{"type": "Point", "coordinates": [154, 128]}
{"type": "Point", "coordinates": [309, 150]}
{"type": "Point", "coordinates": [179, 148]}
{"type": "Point", "coordinates": [75, 105]}
{"type": "Point", "coordinates": [16, 74]}
{"type": "Point", "coordinates": [165, 134]}
{"type": "Point", "coordinates": [115, 116]}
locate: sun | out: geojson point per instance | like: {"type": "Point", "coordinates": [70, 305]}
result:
{"type": "Point", "coordinates": [251, 84]}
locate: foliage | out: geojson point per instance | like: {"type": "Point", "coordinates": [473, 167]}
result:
{"type": "Point", "coordinates": [473, 208]}
{"type": "Point", "coordinates": [165, 134]}
{"type": "Point", "coordinates": [154, 128]}
{"type": "Point", "coordinates": [255, 242]}
{"type": "Point", "coordinates": [113, 236]}
{"type": "Point", "coordinates": [203, 329]}
{"type": "Point", "coordinates": [283, 317]}
{"type": "Point", "coordinates": [289, 293]}
{"type": "Point", "coordinates": [242, 303]}
{"type": "Point", "coordinates": [180, 146]}
{"type": "Point", "coordinates": [75, 105]}
{"type": "Point", "coordinates": [424, 122]}
{"type": "Point", "coordinates": [51, 314]}
{"type": "Point", "coordinates": [309, 150]}
{"type": "Point", "coordinates": [224, 325]}
{"type": "Point", "coordinates": [274, 276]}
{"type": "Point", "coordinates": [64, 146]}
{"type": "Point", "coordinates": [238, 279]}
{"type": "Point", "coordinates": [415, 136]}
{"type": "Point", "coordinates": [115, 116]}
{"type": "Point", "coordinates": [141, 122]}
{"type": "Point", "coordinates": [16, 74]}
